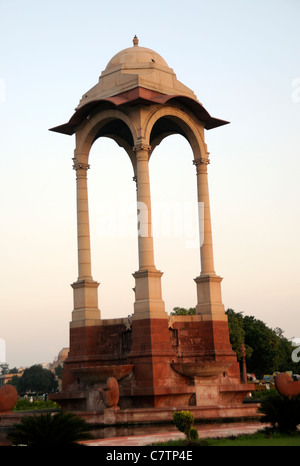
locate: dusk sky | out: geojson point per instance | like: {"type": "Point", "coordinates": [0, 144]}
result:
{"type": "Point", "coordinates": [241, 59]}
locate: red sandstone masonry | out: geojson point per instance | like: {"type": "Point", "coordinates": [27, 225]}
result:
{"type": "Point", "coordinates": [154, 347]}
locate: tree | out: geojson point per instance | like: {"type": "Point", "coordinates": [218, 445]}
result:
{"type": "Point", "coordinates": [16, 382]}
{"type": "Point", "coordinates": [58, 371]}
{"type": "Point", "coordinates": [181, 311]}
{"type": "Point", "coordinates": [184, 421]}
{"type": "Point", "coordinates": [265, 344]}
{"type": "Point", "coordinates": [237, 333]}
{"type": "Point", "coordinates": [267, 350]}
{"type": "Point", "coordinates": [35, 379]}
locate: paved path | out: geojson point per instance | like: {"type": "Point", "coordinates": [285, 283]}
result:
{"type": "Point", "coordinates": [205, 431]}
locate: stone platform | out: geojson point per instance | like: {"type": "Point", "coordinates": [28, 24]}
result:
{"type": "Point", "coordinates": [147, 416]}
{"type": "Point", "coordinates": [165, 363]}
{"type": "Point", "coordinates": [146, 437]}
{"type": "Point", "coordinates": [140, 416]}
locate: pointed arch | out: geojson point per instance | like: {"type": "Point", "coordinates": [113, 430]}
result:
{"type": "Point", "coordinates": [167, 120]}
{"type": "Point", "coordinates": [111, 123]}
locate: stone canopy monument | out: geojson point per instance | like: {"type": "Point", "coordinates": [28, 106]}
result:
{"type": "Point", "coordinates": [160, 362]}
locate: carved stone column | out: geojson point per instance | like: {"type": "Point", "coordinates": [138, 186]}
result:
{"type": "Point", "coordinates": [206, 245]}
{"type": "Point", "coordinates": [145, 239]}
{"type": "Point", "coordinates": [148, 298]}
{"type": "Point", "coordinates": [209, 297]}
{"type": "Point", "coordinates": [83, 228]}
{"type": "Point", "coordinates": [86, 310]}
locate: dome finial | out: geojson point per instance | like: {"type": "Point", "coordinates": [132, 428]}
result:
{"type": "Point", "coordinates": [135, 41]}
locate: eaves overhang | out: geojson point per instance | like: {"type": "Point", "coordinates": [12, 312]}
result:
{"type": "Point", "coordinates": [139, 96]}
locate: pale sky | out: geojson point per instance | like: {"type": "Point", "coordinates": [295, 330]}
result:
{"type": "Point", "coordinates": [241, 58]}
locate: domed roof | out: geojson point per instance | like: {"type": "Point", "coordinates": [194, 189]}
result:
{"type": "Point", "coordinates": [134, 76]}
{"type": "Point", "coordinates": [134, 55]}
{"type": "Point", "coordinates": [63, 354]}
{"type": "Point", "coordinates": [132, 68]}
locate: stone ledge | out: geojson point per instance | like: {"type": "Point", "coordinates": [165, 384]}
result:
{"type": "Point", "coordinates": [145, 416]}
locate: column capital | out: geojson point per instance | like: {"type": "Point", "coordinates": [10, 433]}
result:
{"type": "Point", "coordinates": [80, 165]}
{"type": "Point", "coordinates": [202, 160]}
{"type": "Point", "coordinates": [141, 146]}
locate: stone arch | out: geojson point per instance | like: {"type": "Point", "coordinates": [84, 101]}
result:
{"type": "Point", "coordinates": [110, 123]}
{"type": "Point", "coordinates": [168, 120]}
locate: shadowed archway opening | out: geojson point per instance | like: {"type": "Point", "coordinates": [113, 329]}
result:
{"type": "Point", "coordinates": [164, 127]}
{"type": "Point", "coordinates": [116, 129]}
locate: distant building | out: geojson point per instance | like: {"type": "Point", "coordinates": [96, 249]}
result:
{"type": "Point", "coordinates": [59, 361]}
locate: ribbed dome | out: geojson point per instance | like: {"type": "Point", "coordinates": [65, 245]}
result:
{"type": "Point", "coordinates": [136, 55]}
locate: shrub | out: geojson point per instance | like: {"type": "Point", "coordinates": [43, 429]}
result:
{"type": "Point", "coordinates": [263, 393]}
{"type": "Point", "coordinates": [26, 405]}
{"type": "Point", "coordinates": [282, 412]}
{"type": "Point", "coordinates": [58, 430]}
{"type": "Point", "coordinates": [184, 420]}
{"type": "Point", "coordinates": [194, 433]}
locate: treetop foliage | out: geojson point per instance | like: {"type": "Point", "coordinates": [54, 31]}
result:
{"type": "Point", "coordinates": [181, 311]}
{"type": "Point", "coordinates": [267, 350]}
{"type": "Point", "coordinates": [35, 379]}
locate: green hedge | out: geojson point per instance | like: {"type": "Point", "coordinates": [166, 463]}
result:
{"type": "Point", "coordinates": [26, 405]}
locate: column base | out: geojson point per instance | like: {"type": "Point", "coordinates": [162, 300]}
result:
{"type": "Point", "coordinates": [210, 305]}
{"type": "Point", "coordinates": [148, 300]}
{"type": "Point", "coordinates": [86, 312]}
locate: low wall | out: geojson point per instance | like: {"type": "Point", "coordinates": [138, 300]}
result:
{"type": "Point", "coordinates": [146, 416]}
{"type": "Point", "coordinates": [111, 416]}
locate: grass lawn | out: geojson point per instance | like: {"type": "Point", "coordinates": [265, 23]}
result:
{"type": "Point", "coordinates": [259, 439]}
